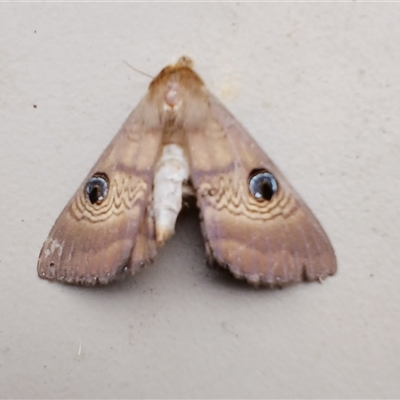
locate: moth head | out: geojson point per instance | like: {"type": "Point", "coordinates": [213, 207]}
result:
{"type": "Point", "coordinates": [262, 184]}
{"type": "Point", "coordinates": [96, 188]}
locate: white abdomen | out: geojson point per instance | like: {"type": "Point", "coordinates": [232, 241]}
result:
{"type": "Point", "coordinates": [171, 171]}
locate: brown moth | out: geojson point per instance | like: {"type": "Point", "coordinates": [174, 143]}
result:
{"type": "Point", "coordinates": [181, 140]}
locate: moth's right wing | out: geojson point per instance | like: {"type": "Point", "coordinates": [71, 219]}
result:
{"type": "Point", "coordinates": [269, 241]}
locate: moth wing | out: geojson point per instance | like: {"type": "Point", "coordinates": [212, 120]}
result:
{"type": "Point", "coordinates": [97, 242]}
{"type": "Point", "coordinates": [265, 242]}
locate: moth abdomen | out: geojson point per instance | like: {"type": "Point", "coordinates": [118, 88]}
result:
{"type": "Point", "coordinates": [171, 171]}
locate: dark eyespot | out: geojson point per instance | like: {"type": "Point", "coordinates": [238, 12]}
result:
{"type": "Point", "coordinates": [262, 184]}
{"type": "Point", "coordinates": [97, 188]}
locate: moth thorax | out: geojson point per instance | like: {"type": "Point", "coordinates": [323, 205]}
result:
{"type": "Point", "coordinates": [172, 171]}
{"type": "Point", "coordinates": [172, 96]}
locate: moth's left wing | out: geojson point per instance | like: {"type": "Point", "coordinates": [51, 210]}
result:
{"type": "Point", "coordinates": [107, 227]}
{"type": "Point", "coordinates": [260, 229]}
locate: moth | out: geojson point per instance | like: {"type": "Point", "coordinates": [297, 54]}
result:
{"type": "Point", "coordinates": [181, 141]}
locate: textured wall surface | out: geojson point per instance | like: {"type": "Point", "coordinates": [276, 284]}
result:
{"type": "Point", "coordinates": [317, 85]}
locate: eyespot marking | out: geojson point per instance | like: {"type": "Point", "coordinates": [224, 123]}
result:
{"type": "Point", "coordinates": [96, 188]}
{"type": "Point", "coordinates": [262, 184]}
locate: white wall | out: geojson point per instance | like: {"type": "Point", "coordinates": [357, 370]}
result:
{"type": "Point", "coordinates": [318, 86]}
